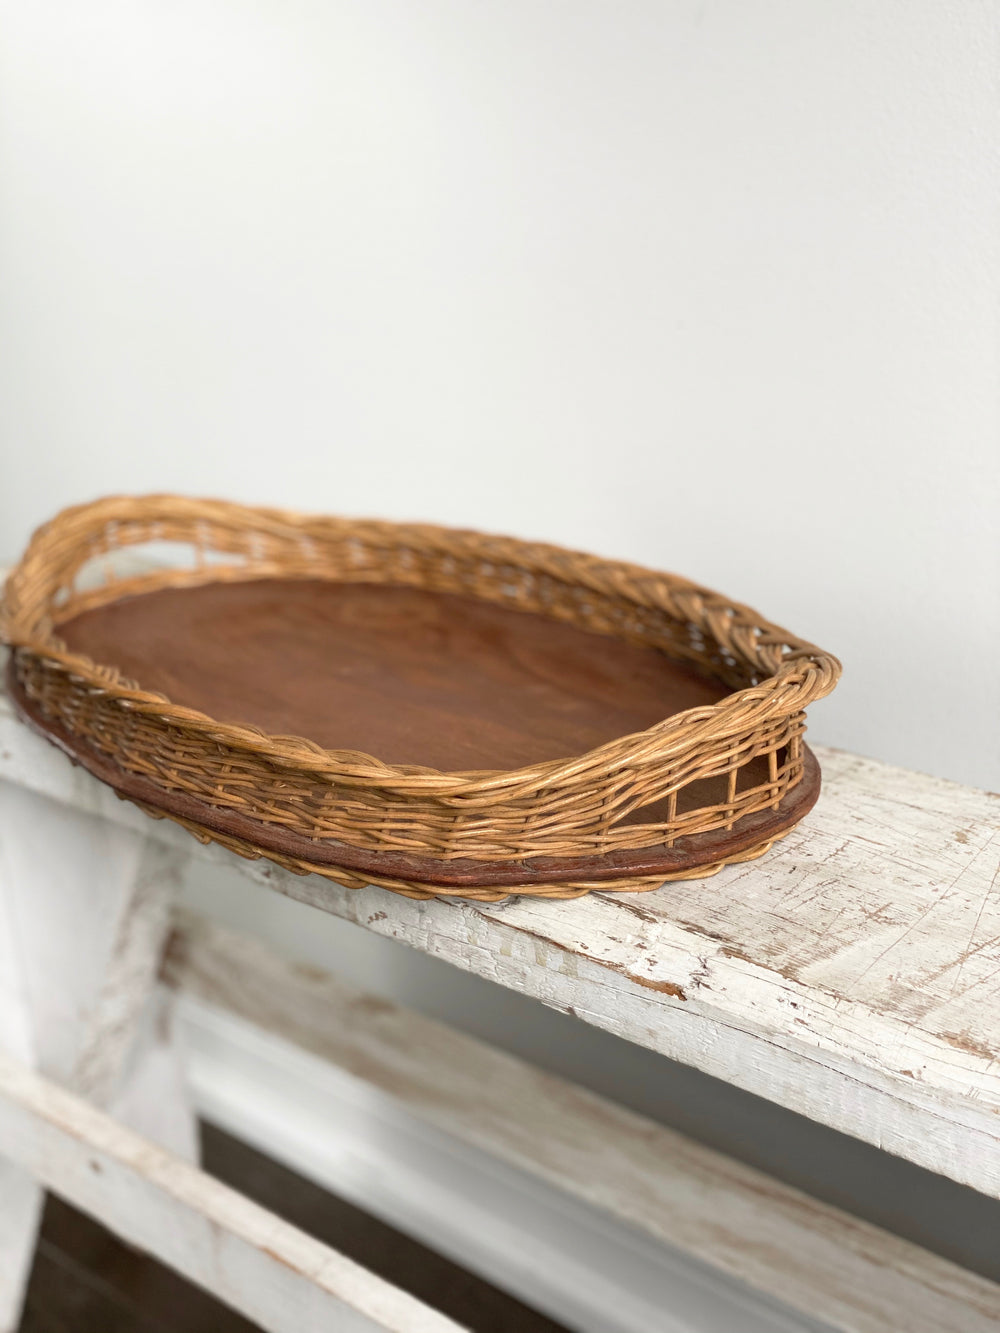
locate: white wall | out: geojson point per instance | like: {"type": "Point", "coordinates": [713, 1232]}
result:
{"type": "Point", "coordinates": [711, 285]}
{"type": "Point", "coordinates": [714, 286]}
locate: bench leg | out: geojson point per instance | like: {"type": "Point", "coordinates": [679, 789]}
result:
{"type": "Point", "coordinates": [20, 1211]}
{"type": "Point", "coordinates": [84, 915]}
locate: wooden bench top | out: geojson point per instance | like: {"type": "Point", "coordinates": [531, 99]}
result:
{"type": "Point", "coordinates": [852, 974]}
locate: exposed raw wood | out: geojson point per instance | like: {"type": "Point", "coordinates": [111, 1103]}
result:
{"type": "Point", "coordinates": [855, 1276]}
{"type": "Point", "coordinates": [852, 975]}
{"type": "Point", "coordinates": [273, 1273]}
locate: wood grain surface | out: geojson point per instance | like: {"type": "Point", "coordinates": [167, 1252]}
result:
{"type": "Point", "coordinates": [408, 676]}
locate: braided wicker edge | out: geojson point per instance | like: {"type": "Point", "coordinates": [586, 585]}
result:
{"type": "Point", "coordinates": [423, 892]}
{"type": "Point", "coordinates": [559, 807]}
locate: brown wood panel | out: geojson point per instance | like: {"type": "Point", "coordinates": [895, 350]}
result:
{"type": "Point", "coordinates": [406, 675]}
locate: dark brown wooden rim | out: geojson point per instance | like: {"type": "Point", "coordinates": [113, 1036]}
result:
{"type": "Point", "coordinates": [687, 853]}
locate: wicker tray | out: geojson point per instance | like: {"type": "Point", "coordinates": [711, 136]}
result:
{"type": "Point", "coordinates": [435, 711]}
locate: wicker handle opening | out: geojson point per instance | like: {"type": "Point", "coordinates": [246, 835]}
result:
{"type": "Point", "coordinates": [633, 792]}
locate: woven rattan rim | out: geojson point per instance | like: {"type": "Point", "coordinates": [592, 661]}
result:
{"type": "Point", "coordinates": [564, 889]}
{"type": "Point", "coordinates": [568, 807]}
{"type": "Point", "coordinates": [718, 847]}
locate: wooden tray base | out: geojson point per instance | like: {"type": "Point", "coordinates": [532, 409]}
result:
{"type": "Point", "coordinates": [547, 877]}
{"type": "Point", "coordinates": [412, 889]}
{"type": "Point", "coordinates": [412, 677]}
{"type": "Point", "coordinates": [552, 877]}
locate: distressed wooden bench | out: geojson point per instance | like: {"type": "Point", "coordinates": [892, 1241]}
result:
{"type": "Point", "coordinates": [851, 976]}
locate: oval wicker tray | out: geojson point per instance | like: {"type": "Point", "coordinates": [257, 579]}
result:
{"type": "Point", "coordinates": [436, 711]}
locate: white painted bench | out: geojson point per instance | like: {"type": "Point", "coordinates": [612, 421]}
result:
{"type": "Point", "coordinates": [851, 975]}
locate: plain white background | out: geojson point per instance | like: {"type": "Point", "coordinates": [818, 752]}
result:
{"type": "Point", "coordinates": [713, 285]}
{"type": "Point", "coordinates": [709, 284]}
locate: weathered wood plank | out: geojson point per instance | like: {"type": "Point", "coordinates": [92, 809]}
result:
{"type": "Point", "coordinates": [815, 1258]}
{"type": "Point", "coordinates": [84, 910]}
{"type": "Point", "coordinates": [852, 975]}
{"type": "Point", "coordinates": [129, 974]}
{"type": "Point", "coordinates": [268, 1270]}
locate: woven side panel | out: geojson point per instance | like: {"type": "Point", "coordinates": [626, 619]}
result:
{"type": "Point", "coordinates": [412, 889]}
{"type": "Point", "coordinates": [572, 807]}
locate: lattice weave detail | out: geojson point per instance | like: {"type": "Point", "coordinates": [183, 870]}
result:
{"type": "Point", "coordinates": [570, 807]}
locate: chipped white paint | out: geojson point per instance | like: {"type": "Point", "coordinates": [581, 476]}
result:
{"type": "Point", "coordinates": [282, 1279]}
{"type": "Point", "coordinates": [814, 1258]}
{"type": "Point", "coordinates": [129, 974]}
{"type": "Point", "coordinates": [852, 975]}
{"type": "Point", "coordinates": [84, 907]}
{"type": "Point", "coordinates": [577, 1264]}
{"type": "Point", "coordinates": [834, 976]}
